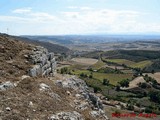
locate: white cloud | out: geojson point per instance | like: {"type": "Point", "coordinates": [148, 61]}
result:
{"type": "Point", "coordinates": [30, 16]}
{"type": "Point", "coordinates": [110, 21]}
{"type": "Point", "coordinates": [22, 10]}
{"type": "Point", "coordinates": [72, 7]}
{"type": "Point", "coordinates": [81, 20]}
{"type": "Point", "coordinates": [42, 16]}
{"type": "Point", "coordinates": [85, 8]}
{"type": "Point", "coordinates": [80, 7]}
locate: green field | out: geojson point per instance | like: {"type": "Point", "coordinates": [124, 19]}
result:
{"type": "Point", "coordinates": [98, 65]}
{"type": "Point", "coordinates": [121, 61]}
{"type": "Point", "coordinates": [113, 78]}
{"type": "Point", "coordinates": [141, 64]}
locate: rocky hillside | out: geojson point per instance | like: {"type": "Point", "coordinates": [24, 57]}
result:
{"type": "Point", "coordinates": [29, 91]}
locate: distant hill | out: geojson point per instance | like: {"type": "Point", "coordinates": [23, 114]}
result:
{"type": "Point", "coordinates": [50, 46]}
{"type": "Point", "coordinates": [133, 55]}
{"type": "Point", "coordinates": [83, 39]}
{"type": "Point", "coordinates": [137, 56]}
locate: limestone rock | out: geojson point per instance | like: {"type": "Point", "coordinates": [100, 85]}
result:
{"type": "Point", "coordinates": [8, 108]}
{"type": "Point", "coordinates": [44, 62]}
{"type": "Point", "coordinates": [24, 77]}
{"type": "Point", "coordinates": [99, 115]}
{"type": "Point", "coordinates": [67, 116]}
{"type": "Point", "coordinates": [55, 96]}
{"type": "Point", "coordinates": [96, 101]}
{"type": "Point", "coordinates": [84, 99]}
{"type": "Point", "coordinates": [44, 87]}
{"type": "Point", "coordinates": [6, 85]}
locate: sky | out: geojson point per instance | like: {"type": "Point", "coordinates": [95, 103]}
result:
{"type": "Point", "coordinates": [63, 17]}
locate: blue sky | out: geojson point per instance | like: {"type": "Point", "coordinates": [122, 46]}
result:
{"type": "Point", "coordinates": [57, 17]}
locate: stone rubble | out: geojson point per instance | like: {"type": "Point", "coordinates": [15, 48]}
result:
{"type": "Point", "coordinates": [44, 63]}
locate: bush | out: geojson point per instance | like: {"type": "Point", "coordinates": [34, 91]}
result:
{"type": "Point", "coordinates": [124, 83]}
{"type": "Point", "coordinates": [148, 110]}
{"type": "Point", "coordinates": [142, 85]}
{"type": "Point", "coordinates": [96, 89]}
{"type": "Point", "coordinates": [130, 107]}
{"type": "Point", "coordinates": [83, 75]}
{"type": "Point", "coordinates": [154, 96]}
{"type": "Point", "coordinates": [117, 88]}
{"type": "Point", "coordinates": [105, 82]}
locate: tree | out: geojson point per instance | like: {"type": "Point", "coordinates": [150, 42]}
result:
{"type": "Point", "coordinates": [154, 96]}
{"type": "Point", "coordinates": [91, 76]}
{"type": "Point", "coordinates": [152, 71]}
{"type": "Point", "coordinates": [142, 85]}
{"type": "Point", "coordinates": [96, 89]}
{"type": "Point", "coordinates": [83, 75]}
{"type": "Point", "coordinates": [105, 81]}
{"type": "Point", "coordinates": [64, 70]}
{"type": "Point", "coordinates": [124, 83]}
{"type": "Point", "coordinates": [148, 110]}
{"type": "Point", "coordinates": [117, 88]}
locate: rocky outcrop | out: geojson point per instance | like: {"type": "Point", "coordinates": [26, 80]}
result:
{"type": "Point", "coordinates": [43, 62]}
{"type": "Point", "coordinates": [67, 116]}
{"type": "Point", "coordinates": [84, 99]}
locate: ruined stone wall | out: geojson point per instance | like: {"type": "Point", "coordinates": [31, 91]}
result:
{"type": "Point", "coordinates": [43, 62]}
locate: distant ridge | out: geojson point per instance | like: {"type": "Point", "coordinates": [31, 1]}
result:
{"type": "Point", "coordinates": [50, 46]}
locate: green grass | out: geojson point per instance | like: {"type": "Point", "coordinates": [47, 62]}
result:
{"type": "Point", "coordinates": [141, 64]}
{"type": "Point", "coordinates": [108, 91]}
{"type": "Point", "coordinates": [98, 65]}
{"type": "Point", "coordinates": [78, 67]}
{"type": "Point", "coordinates": [78, 72]}
{"type": "Point", "coordinates": [113, 78]}
{"type": "Point", "coordinates": [127, 71]}
{"type": "Point", "coordinates": [121, 61]}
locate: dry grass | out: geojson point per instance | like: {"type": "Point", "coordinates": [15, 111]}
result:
{"type": "Point", "coordinates": [87, 61]}
{"type": "Point", "coordinates": [156, 76]}
{"type": "Point", "coordinates": [27, 91]}
{"type": "Point", "coordinates": [134, 83]}
{"type": "Point", "coordinates": [13, 64]}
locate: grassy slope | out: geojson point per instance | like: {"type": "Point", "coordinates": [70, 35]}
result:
{"type": "Point", "coordinates": [133, 55]}
{"type": "Point", "coordinates": [121, 61]}
{"type": "Point", "coordinates": [113, 78]}
{"type": "Point", "coordinates": [98, 65]}
{"type": "Point", "coordinates": [141, 64]}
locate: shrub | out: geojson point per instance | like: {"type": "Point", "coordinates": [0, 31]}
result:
{"type": "Point", "coordinates": [105, 82]}
{"type": "Point", "coordinates": [124, 83]}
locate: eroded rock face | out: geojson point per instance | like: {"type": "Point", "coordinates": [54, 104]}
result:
{"type": "Point", "coordinates": [43, 62]}
{"type": "Point", "coordinates": [67, 116]}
